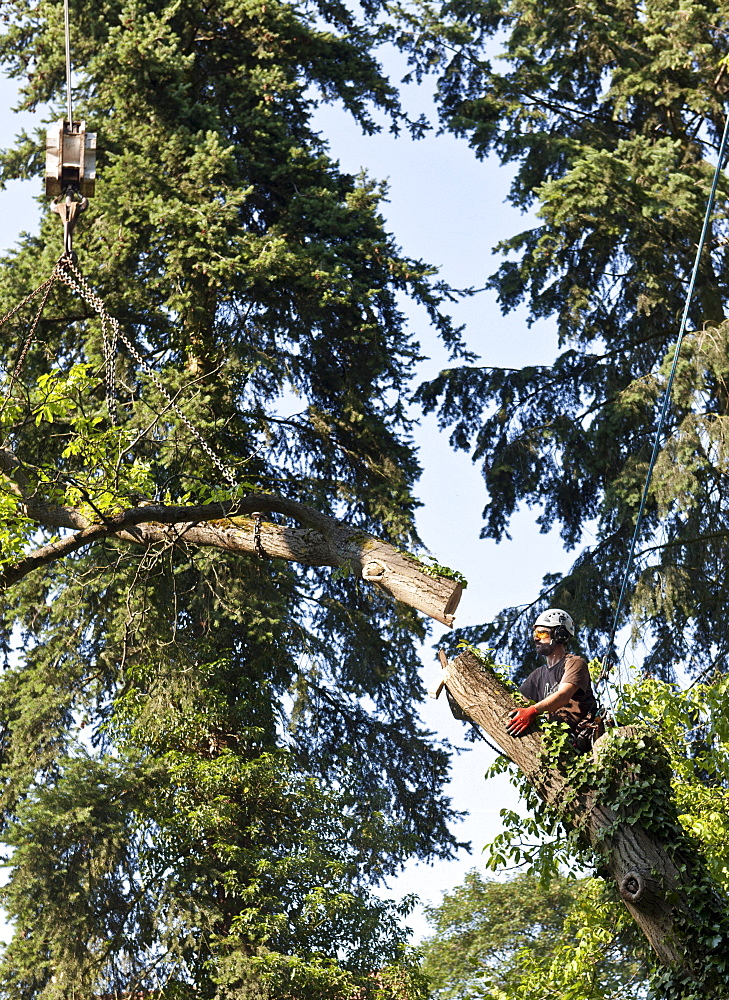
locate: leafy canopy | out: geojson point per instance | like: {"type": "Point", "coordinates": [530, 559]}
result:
{"type": "Point", "coordinates": [523, 938]}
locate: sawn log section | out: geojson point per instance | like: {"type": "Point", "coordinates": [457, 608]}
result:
{"type": "Point", "coordinates": [651, 886]}
{"type": "Point", "coordinates": [317, 540]}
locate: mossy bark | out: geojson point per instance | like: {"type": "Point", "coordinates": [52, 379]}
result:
{"type": "Point", "coordinates": [320, 540]}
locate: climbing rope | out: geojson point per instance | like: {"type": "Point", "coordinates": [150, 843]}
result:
{"type": "Point", "coordinates": [666, 399]}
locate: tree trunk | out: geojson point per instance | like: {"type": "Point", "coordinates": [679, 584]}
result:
{"type": "Point", "coordinates": [664, 885]}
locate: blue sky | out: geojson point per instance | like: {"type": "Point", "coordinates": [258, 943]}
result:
{"type": "Point", "coordinates": [449, 209]}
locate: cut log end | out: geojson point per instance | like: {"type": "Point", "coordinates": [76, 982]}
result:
{"type": "Point", "coordinates": [453, 601]}
{"type": "Point", "coordinates": [405, 580]}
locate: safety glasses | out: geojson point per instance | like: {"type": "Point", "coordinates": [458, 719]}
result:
{"type": "Point", "coordinates": [542, 635]}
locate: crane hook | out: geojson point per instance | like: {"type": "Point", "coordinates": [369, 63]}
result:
{"type": "Point", "coordinates": [69, 211]}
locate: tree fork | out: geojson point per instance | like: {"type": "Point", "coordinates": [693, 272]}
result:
{"type": "Point", "coordinates": [663, 889]}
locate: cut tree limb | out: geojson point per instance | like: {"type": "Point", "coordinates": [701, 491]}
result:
{"type": "Point", "coordinates": [320, 540]}
{"type": "Point", "coordinates": [660, 895]}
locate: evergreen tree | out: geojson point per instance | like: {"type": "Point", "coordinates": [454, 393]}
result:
{"type": "Point", "coordinates": [208, 761]}
{"type": "Point", "coordinates": [610, 115]}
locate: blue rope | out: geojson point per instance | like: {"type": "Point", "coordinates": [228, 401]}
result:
{"type": "Point", "coordinates": [667, 394]}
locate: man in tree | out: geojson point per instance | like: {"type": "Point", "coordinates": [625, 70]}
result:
{"type": "Point", "coordinates": [562, 686]}
{"type": "Point", "coordinates": [633, 807]}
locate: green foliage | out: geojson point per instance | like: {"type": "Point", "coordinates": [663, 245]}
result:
{"type": "Point", "coordinates": [208, 763]}
{"type": "Point", "coordinates": [693, 728]}
{"type": "Point", "coordinates": [610, 115]}
{"type": "Point", "coordinates": [272, 975]}
{"type": "Point", "coordinates": [669, 774]}
{"type": "Point", "coordinates": [16, 531]}
{"type": "Point", "coordinates": [502, 672]}
{"type": "Point", "coordinates": [102, 471]}
{"type": "Point", "coordinates": [521, 938]}
{"type": "Point", "coordinates": [432, 567]}
{"type": "Point", "coordinates": [140, 851]}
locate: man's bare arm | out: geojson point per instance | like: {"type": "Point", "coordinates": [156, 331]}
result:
{"type": "Point", "coordinates": [521, 718]}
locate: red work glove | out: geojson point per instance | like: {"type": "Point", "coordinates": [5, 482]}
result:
{"type": "Point", "coordinates": [521, 719]}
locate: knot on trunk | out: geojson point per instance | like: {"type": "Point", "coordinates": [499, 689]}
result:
{"type": "Point", "coordinates": [638, 887]}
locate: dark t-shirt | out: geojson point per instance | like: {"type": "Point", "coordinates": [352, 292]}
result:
{"type": "Point", "coordinates": [571, 670]}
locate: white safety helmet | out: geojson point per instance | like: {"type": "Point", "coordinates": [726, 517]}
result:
{"type": "Point", "coordinates": [553, 617]}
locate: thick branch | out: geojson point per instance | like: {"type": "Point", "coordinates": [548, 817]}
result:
{"type": "Point", "coordinates": [322, 541]}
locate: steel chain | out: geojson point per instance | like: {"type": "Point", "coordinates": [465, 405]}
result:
{"type": "Point", "coordinates": [109, 342]}
{"type": "Point", "coordinates": [29, 297]}
{"type": "Point", "coordinates": [72, 277]}
{"type": "Point", "coordinates": [110, 348]}
{"type": "Point", "coordinates": [257, 543]}
{"type": "Point", "coordinates": [44, 287]}
{"type": "Point", "coordinates": [67, 272]}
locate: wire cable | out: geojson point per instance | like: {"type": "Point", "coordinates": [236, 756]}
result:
{"type": "Point", "coordinates": [67, 31]}
{"type": "Point", "coordinates": [667, 395]}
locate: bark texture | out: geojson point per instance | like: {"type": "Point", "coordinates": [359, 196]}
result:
{"type": "Point", "coordinates": [660, 895]}
{"type": "Point", "coordinates": [318, 540]}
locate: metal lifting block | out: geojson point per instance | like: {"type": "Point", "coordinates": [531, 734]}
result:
{"type": "Point", "coordinates": [70, 159]}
